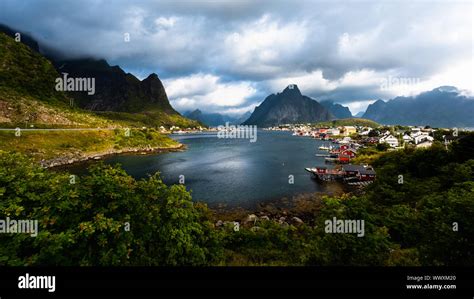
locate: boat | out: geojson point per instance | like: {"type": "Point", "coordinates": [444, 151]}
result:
{"type": "Point", "coordinates": [324, 148]}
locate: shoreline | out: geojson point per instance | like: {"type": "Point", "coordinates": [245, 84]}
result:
{"type": "Point", "coordinates": [298, 209]}
{"type": "Point", "coordinates": [69, 161]}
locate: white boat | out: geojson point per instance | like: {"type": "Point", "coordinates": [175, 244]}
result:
{"type": "Point", "coordinates": [323, 148]}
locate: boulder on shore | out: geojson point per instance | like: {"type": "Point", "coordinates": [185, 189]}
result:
{"type": "Point", "coordinates": [252, 218]}
{"type": "Point", "coordinates": [296, 221]}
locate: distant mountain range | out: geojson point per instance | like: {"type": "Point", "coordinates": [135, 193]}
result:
{"type": "Point", "coordinates": [289, 106]}
{"type": "Point", "coordinates": [441, 107]}
{"type": "Point", "coordinates": [216, 119]}
{"type": "Point", "coordinates": [337, 110]}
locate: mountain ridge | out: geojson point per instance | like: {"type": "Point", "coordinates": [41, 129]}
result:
{"type": "Point", "coordinates": [289, 106]}
{"type": "Point", "coordinates": [215, 119]}
{"type": "Point", "coordinates": [443, 106]}
{"type": "Point", "coordinates": [339, 111]}
{"type": "Point", "coordinates": [119, 96]}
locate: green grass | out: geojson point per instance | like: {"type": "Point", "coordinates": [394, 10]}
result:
{"type": "Point", "coordinates": [150, 119]}
{"type": "Point", "coordinates": [348, 122]}
{"type": "Point", "coordinates": [46, 145]}
{"type": "Point", "coordinates": [28, 97]}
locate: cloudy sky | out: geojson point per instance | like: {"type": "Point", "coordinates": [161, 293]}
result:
{"type": "Point", "coordinates": [227, 56]}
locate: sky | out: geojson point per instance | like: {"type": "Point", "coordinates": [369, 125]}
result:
{"type": "Point", "coordinates": [227, 56]}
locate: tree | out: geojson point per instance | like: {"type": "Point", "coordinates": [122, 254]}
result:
{"type": "Point", "coordinates": [104, 218]}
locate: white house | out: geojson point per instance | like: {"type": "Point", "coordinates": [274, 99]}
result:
{"type": "Point", "coordinates": [390, 139]}
{"type": "Point", "coordinates": [333, 131]}
{"type": "Point", "coordinates": [407, 138]}
{"type": "Point", "coordinates": [366, 132]}
{"type": "Point", "coordinates": [421, 138]}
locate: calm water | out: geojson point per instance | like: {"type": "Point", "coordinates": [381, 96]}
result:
{"type": "Point", "coordinates": [234, 172]}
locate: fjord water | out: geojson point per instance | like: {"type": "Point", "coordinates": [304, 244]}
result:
{"type": "Point", "coordinates": [234, 172]}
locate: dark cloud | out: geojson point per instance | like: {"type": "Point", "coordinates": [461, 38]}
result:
{"type": "Point", "coordinates": [256, 42]}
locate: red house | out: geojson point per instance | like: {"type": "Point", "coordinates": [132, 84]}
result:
{"type": "Point", "coordinates": [346, 155]}
{"type": "Point", "coordinates": [343, 147]}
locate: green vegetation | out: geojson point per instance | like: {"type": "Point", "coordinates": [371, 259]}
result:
{"type": "Point", "coordinates": [27, 72]}
{"type": "Point", "coordinates": [105, 218]}
{"type": "Point", "coordinates": [46, 145]}
{"type": "Point", "coordinates": [348, 122]}
{"type": "Point", "coordinates": [150, 119]}
{"type": "Point", "coordinates": [28, 97]}
{"type": "Point", "coordinates": [27, 93]}
{"type": "Point", "coordinates": [425, 219]}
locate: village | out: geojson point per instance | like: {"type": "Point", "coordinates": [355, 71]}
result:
{"type": "Point", "coordinates": [341, 145]}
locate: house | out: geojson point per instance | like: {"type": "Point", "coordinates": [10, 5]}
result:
{"type": "Point", "coordinates": [348, 130]}
{"type": "Point", "coordinates": [345, 140]}
{"type": "Point", "coordinates": [422, 138]}
{"type": "Point", "coordinates": [333, 131]}
{"type": "Point", "coordinates": [322, 130]}
{"type": "Point", "coordinates": [365, 132]}
{"type": "Point", "coordinates": [346, 155]}
{"type": "Point", "coordinates": [343, 147]}
{"type": "Point", "coordinates": [407, 138]}
{"type": "Point", "coordinates": [390, 139]}
{"type": "Point", "coordinates": [362, 172]}
{"type": "Point", "coordinates": [370, 140]}
{"type": "Point", "coordinates": [415, 130]}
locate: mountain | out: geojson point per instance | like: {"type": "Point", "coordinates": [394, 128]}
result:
{"type": "Point", "coordinates": [337, 110]}
{"type": "Point", "coordinates": [118, 96]}
{"type": "Point", "coordinates": [122, 96]}
{"type": "Point", "coordinates": [116, 90]}
{"type": "Point", "coordinates": [243, 118]}
{"type": "Point", "coordinates": [289, 106]}
{"type": "Point", "coordinates": [24, 37]}
{"type": "Point", "coordinates": [28, 94]}
{"type": "Point", "coordinates": [359, 114]}
{"type": "Point", "coordinates": [441, 107]}
{"type": "Point", "coordinates": [215, 119]}
{"type": "Point", "coordinates": [210, 119]}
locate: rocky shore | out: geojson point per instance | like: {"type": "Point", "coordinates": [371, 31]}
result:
{"type": "Point", "coordinates": [297, 210]}
{"type": "Point", "coordinates": [81, 157]}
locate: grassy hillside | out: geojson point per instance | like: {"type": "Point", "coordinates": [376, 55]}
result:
{"type": "Point", "coordinates": [27, 92]}
{"type": "Point", "coordinates": [349, 122]}
{"type": "Point", "coordinates": [63, 146]}
{"type": "Point", "coordinates": [28, 99]}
